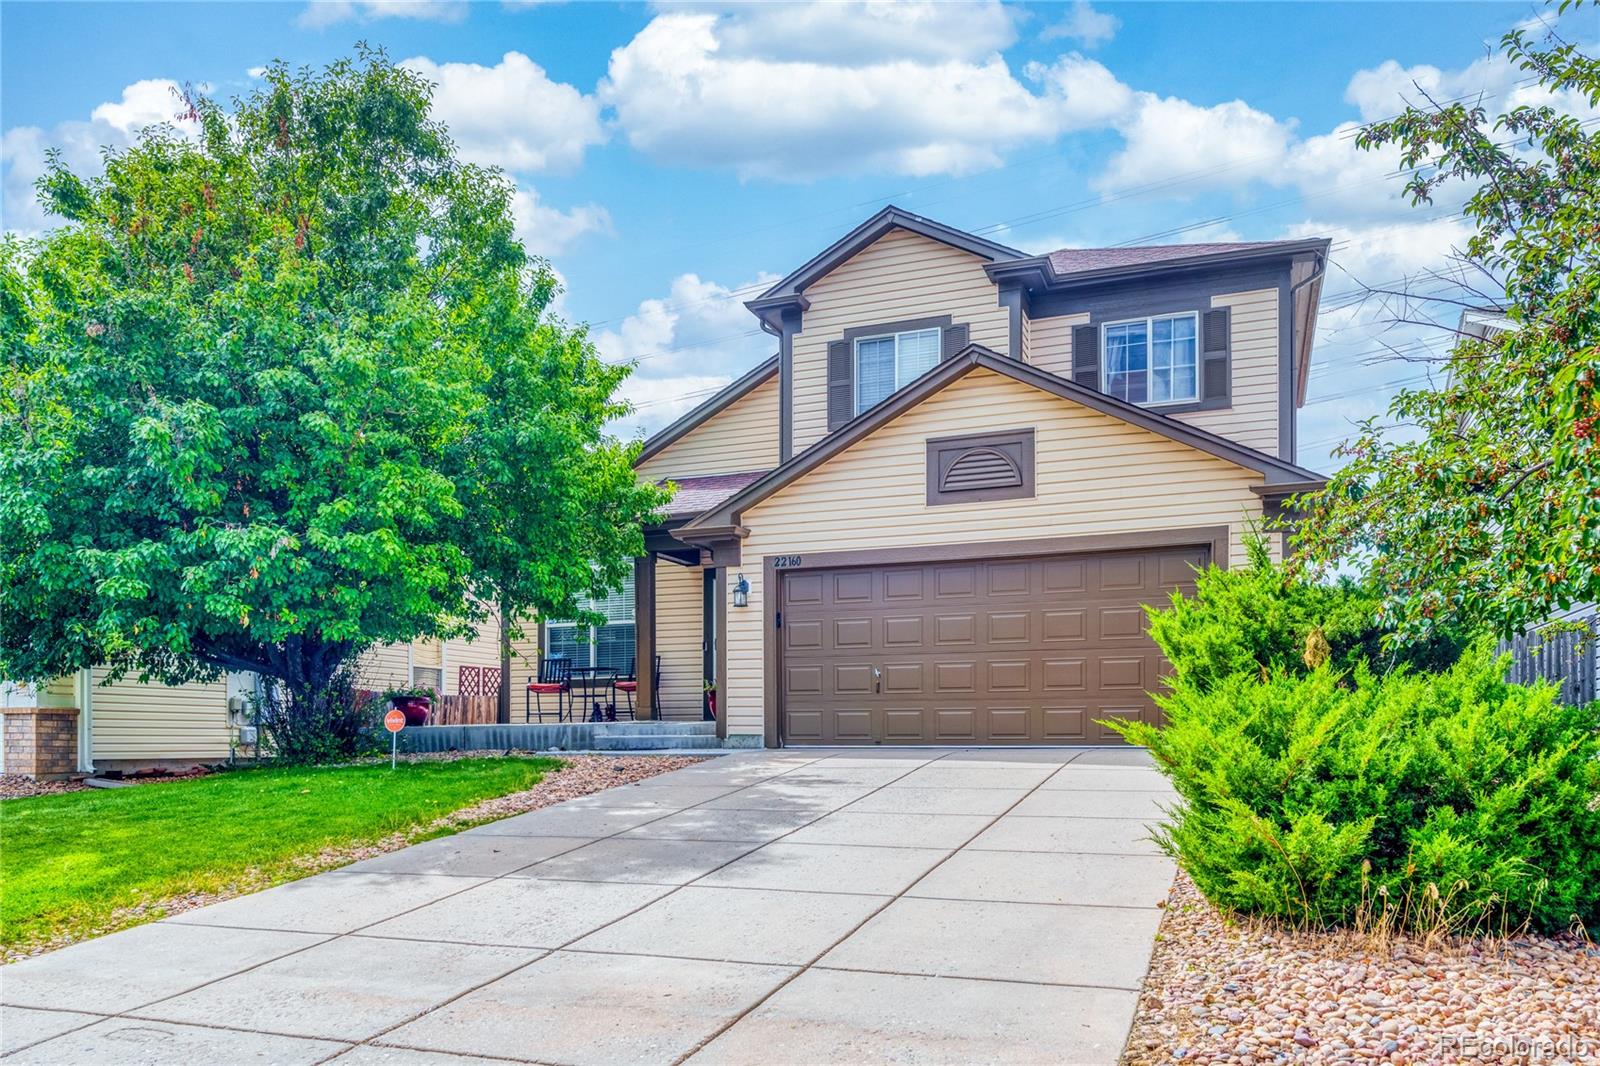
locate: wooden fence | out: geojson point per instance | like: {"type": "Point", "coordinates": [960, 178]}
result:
{"type": "Point", "coordinates": [1566, 658]}
{"type": "Point", "coordinates": [464, 710]}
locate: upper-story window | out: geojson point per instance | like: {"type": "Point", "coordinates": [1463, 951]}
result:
{"type": "Point", "coordinates": [892, 361]}
{"type": "Point", "coordinates": [1151, 360]}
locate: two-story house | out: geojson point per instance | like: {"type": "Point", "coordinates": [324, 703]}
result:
{"type": "Point", "coordinates": [936, 514]}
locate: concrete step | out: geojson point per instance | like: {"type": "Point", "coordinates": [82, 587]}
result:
{"type": "Point", "coordinates": [648, 728]}
{"type": "Point", "coordinates": [654, 741]}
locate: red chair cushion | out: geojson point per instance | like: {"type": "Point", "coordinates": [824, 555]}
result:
{"type": "Point", "coordinates": [546, 686]}
{"type": "Point", "coordinates": [628, 686]}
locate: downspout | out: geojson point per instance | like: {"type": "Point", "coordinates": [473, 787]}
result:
{"type": "Point", "coordinates": [85, 701]}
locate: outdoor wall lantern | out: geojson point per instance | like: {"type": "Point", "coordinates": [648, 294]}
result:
{"type": "Point", "coordinates": [741, 592]}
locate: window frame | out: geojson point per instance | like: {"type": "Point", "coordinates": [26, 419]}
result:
{"type": "Point", "coordinates": [895, 335]}
{"type": "Point", "coordinates": [1149, 321]}
{"type": "Point", "coordinates": [592, 643]}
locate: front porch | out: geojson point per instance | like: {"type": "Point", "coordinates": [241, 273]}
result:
{"type": "Point", "coordinates": [681, 592]}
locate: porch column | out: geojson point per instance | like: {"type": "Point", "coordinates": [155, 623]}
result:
{"type": "Point", "coordinates": [644, 633]}
{"type": "Point", "coordinates": [720, 605]}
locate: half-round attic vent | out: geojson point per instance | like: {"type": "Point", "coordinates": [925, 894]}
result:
{"type": "Point", "coordinates": [981, 468]}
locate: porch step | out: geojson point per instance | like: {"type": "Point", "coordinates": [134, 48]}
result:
{"type": "Point", "coordinates": [654, 741]}
{"type": "Point", "coordinates": [648, 727]}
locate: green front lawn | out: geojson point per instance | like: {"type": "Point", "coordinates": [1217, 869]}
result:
{"type": "Point", "coordinates": [72, 865]}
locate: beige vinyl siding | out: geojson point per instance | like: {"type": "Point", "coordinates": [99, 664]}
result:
{"type": "Point", "coordinates": [482, 650]}
{"type": "Point", "coordinates": [679, 613]}
{"type": "Point", "coordinates": [385, 666]}
{"type": "Point", "coordinates": [1027, 338]}
{"type": "Point", "coordinates": [135, 721]}
{"type": "Point", "coordinates": [901, 275]}
{"type": "Point", "coordinates": [1094, 475]}
{"type": "Point", "coordinates": [1253, 349]}
{"type": "Point", "coordinates": [739, 438]}
{"type": "Point", "coordinates": [1050, 341]}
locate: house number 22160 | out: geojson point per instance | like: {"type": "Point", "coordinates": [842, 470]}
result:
{"type": "Point", "coordinates": [785, 562]}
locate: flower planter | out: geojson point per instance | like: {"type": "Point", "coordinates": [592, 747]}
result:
{"type": "Point", "coordinates": [415, 708]}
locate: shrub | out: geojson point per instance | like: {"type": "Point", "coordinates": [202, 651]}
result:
{"type": "Point", "coordinates": [1450, 801]}
{"type": "Point", "coordinates": [1258, 618]}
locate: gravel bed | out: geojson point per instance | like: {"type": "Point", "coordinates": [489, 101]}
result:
{"type": "Point", "coordinates": [15, 786]}
{"type": "Point", "coordinates": [1244, 992]}
{"type": "Point", "coordinates": [580, 775]}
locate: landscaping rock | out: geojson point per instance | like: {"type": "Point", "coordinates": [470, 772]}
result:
{"type": "Point", "coordinates": [1343, 998]}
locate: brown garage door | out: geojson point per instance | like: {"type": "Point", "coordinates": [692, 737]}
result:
{"type": "Point", "coordinates": [1003, 651]}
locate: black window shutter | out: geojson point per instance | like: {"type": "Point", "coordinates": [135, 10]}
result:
{"type": "Point", "coordinates": [954, 339]}
{"type": "Point", "coordinates": [841, 384]}
{"type": "Point", "coordinates": [1215, 376]}
{"type": "Point", "coordinates": [1086, 356]}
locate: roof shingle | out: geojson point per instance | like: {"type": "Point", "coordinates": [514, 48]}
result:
{"type": "Point", "coordinates": [1078, 260]}
{"type": "Point", "coordinates": [699, 494]}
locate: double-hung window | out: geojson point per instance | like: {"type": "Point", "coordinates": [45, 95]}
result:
{"type": "Point", "coordinates": [1152, 360]}
{"type": "Point", "coordinates": [892, 361]}
{"type": "Point", "coordinates": [609, 646]}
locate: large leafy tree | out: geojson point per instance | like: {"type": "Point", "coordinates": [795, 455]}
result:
{"type": "Point", "coordinates": [284, 385]}
{"type": "Point", "coordinates": [1490, 514]}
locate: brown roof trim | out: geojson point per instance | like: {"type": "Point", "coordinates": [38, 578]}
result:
{"type": "Point", "coordinates": [1305, 305]}
{"type": "Point", "coordinates": [1286, 489]}
{"type": "Point", "coordinates": [1276, 471]}
{"type": "Point", "coordinates": [789, 289]}
{"type": "Point", "coordinates": [732, 393]}
{"type": "Point", "coordinates": [1038, 268]}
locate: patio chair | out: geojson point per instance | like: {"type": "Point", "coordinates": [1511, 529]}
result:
{"type": "Point", "coordinates": [629, 687]}
{"type": "Point", "coordinates": [555, 679]}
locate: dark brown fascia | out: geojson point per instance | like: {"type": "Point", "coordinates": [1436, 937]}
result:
{"type": "Point", "coordinates": [726, 515]}
{"type": "Point", "coordinates": [1306, 294]}
{"type": "Point", "coordinates": [735, 391]}
{"type": "Point", "coordinates": [1039, 270]}
{"type": "Point", "coordinates": [891, 217]}
{"type": "Point", "coordinates": [1283, 490]}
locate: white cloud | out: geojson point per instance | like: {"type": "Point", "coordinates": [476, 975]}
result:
{"type": "Point", "coordinates": [865, 31]}
{"type": "Point", "coordinates": [547, 231]}
{"type": "Point", "coordinates": [1225, 145]}
{"type": "Point", "coordinates": [321, 13]}
{"type": "Point", "coordinates": [512, 114]}
{"type": "Point", "coordinates": [1083, 24]}
{"type": "Point", "coordinates": [697, 89]}
{"type": "Point", "coordinates": [688, 343]}
{"type": "Point", "coordinates": [112, 124]}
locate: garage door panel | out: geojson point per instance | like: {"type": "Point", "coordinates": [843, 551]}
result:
{"type": "Point", "coordinates": [1009, 675]}
{"type": "Point", "coordinates": [955, 677]}
{"type": "Point", "coordinates": [852, 725]}
{"type": "Point", "coordinates": [955, 581]}
{"type": "Point", "coordinates": [803, 636]}
{"type": "Point", "coordinates": [1070, 624]}
{"type": "Point", "coordinates": [852, 679]}
{"type": "Point", "coordinates": [902, 585]}
{"type": "Point", "coordinates": [1009, 723]}
{"type": "Point", "coordinates": [1064, 723]}
{"type": "Point", "coordinates": [905, 725]}
{"type": "Point", "coordinates": [903, 632]}
{"type": "Point", "coordinates": [1001, 651]}
{"type": "Point", "coordinates": [955, 724]}
{"type": "Point", "coordinates": [902, 679]}
{"type": "Point", "coordinates": [955, 629]}
{"type": "Point", "coordinates": [1120, 623]}
{"type": "Point", "coordinates": [1010, 627]}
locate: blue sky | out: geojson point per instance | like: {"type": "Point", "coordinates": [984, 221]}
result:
{"type": "Point", "coordinates": [670, 158]}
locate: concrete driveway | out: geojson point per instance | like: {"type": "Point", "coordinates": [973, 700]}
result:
{"type": "Point", "coordinates": [928, 906]}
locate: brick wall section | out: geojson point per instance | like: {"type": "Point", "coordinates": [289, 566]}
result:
{"type": "Point", "coordinates": [41, 742]}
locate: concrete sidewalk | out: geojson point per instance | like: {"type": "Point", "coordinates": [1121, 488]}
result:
{"type": "Point", "coordinates": [924, 906]}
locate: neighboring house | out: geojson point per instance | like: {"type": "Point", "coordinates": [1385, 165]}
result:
{"type": "Point", "coordinates": [936, 514]}
{"type": "Point", "coordinates": [130, 725]}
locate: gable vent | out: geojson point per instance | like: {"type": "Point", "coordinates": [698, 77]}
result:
{"type": "Point", "coordinates": [980, 468]}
